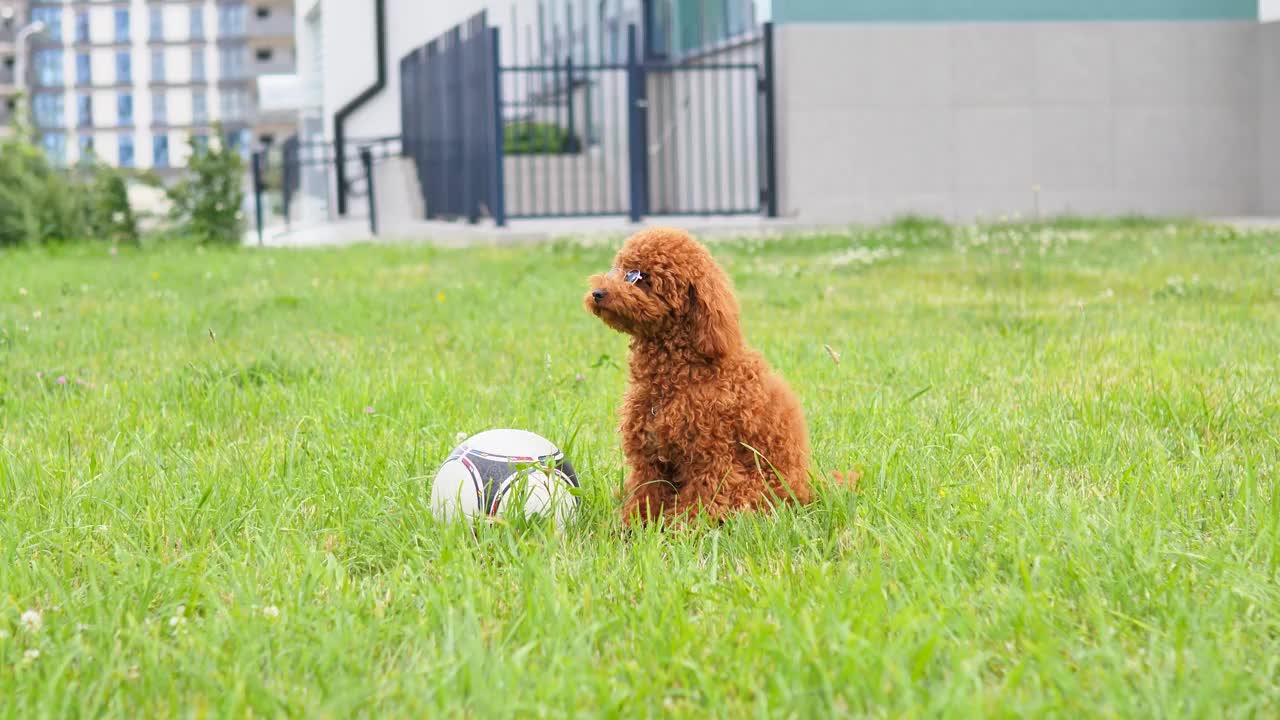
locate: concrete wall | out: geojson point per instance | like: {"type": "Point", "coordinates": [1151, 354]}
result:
{"type": "Point", "coordinates": [1269, 126]}
{"type": "Point", "coordinates": [346, 54]}
{"type": "Point", "coordinates": [965, 120]}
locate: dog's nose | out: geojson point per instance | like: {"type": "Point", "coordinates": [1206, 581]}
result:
{"type": "Point", "coordinates": [598, 295]}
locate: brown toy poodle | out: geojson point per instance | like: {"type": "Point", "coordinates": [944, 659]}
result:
{"type": "Point", "coordinates": [707, 427]}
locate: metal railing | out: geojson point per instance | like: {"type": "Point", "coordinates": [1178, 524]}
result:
{"type": "Point", "coordinates": [298, 169]}
{"type": "Point", "coordinates": [616, 131]}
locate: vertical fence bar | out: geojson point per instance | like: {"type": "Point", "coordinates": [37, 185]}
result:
{"type": "Point", "coordinates": [731, 140]}
{"type": "Point", "coordinates": [637, 106]}
{"type": "Point", "coordinates": [257, 193]}
{"type": "Point", "coordinates": [290, 175]}
{"type": "Point", "coordinates": [498, 181]}
{"type": "Point", "coordinates": [559, 120]}
{"type": "Point", "coordinates": [770, 130]}
{"type": "Point", "coordinates": [366, 160]}
{"type": "Point", "coordinates": [574, 148]}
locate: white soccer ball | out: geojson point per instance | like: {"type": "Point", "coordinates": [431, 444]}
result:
{"type": "Point", "coordinates": [505, 473]}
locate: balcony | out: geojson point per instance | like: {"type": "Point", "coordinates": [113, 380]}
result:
{"type": "Point", "coordinates": [278, 25]}
{"type": "Point", "coordinates": [281, 62]}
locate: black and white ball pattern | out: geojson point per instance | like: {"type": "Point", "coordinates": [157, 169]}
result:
{"type": "Point", "coordinates": [505, 473]}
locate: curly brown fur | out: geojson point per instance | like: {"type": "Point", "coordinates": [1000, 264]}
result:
{"type": "Point", "coordinates": [707, 427]}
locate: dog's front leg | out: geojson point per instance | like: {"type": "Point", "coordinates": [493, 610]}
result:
{"type": "Point", "coordinates": [709, 487]}
{"type": "Point", "coordinates": [648, 493]}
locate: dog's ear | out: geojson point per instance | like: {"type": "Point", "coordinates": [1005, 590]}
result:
{"type": "Point", "coordinates": [713, 316]}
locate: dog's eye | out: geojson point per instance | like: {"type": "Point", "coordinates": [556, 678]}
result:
{"type": "Point", "coordinates": [634, 276]}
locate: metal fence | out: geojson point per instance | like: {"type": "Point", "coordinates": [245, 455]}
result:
{"type": "Point", "coordinates": [592, 131]}
{"type": "Point", "coordinates": [297, 181]}
{"type": "Point", "coordinates": [450, 120]}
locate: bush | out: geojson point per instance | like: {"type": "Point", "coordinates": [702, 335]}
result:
{"type": "Point", "coordinates": [38, 202]}
{"type": "Point", "coordinates": [111, 217]}
{"type": "Point", "coordinates": [533, 138]}
{"type": "Point", "coordinates": [207, 203]}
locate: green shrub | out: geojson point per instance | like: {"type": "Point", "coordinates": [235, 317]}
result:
{"type": "Point", "coordinates": [207, 203]}
{"type": "Point", "coordinates": [111, 218]}
{"type": "Point", "coordinates": [38, 202]}
{"type": "Point", "coordinates": [533, 138]}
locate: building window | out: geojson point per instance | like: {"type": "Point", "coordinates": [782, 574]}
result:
{"type": "Point", "coordinates": [197, 22]}
{"type": "Point", "coordinates": [159, 108]}
{"type": "Point", "coordinates": [124, 109]}
{"type": "Point", "coordinates": [231, 60]}
{"type": "Point", "coordinates": [122, 25]}
{"type": "Point", "coordinates": [157, 66]}
{"type": "Point", "coordinates": [52, 19]}
{"type": "Point", "coordinates": [82, 26]}
{"type": "Point", "coordinates": [197, 64]}
{"type": "Point", "coordinates": [199, 107]}
{"type": "Point", "coordinates": [49, 68]}
{"type": "Point", "coordinates": [238, 140]}
{"type": "Point", "coordinates": [49, 109]}
{"type": "Point", "coordinates": [160, 151]}
{"type": "Point", "coordinates": [264, 54]}
{"type": "Point", "coordinates": [84, 70]}
{"type": "Point", "coordinates": [156, 22]}
{"type": "Point", "coordinates": [124, 68]}
{"type": "Point", "coordinates": [86, 149]}
{"type": "Point", "coordinates": [235, 103]}
{"type": "Point", "coordinates": [126, 150]}
{"type": "Point", "coordinates": [55, 147]}
{"type": "Point", "coordinates": [84, 110]}
{"type": "Point", "coordinates": [231, 20]}
{"type": "Point", "coordinates": [680, 27]}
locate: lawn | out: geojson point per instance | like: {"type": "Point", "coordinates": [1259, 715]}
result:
{"type": "Point", "coordinates": [215, 466]}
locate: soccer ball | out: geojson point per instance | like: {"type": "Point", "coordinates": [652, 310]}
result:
{"type": "Point", "coordinates": [503, 474]}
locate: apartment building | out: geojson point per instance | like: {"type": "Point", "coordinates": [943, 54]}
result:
{"type": "Point", "coordinates": [137, 83]}
{"type": "Point", "coordinates": [273, 64]}
{"type": "Point", "coordinates": [12, 17]}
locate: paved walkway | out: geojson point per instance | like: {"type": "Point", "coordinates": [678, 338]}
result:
{"type": "Point", "coordinates": [349, 232]}
{"type": "Point", "coordinates": [448, 234]}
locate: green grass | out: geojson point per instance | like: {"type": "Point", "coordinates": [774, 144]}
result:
{"type": "Point", "coordinates": [1068, 434]}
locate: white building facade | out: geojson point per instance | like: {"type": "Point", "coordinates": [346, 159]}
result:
{"type": "Point", "coordinates": [135, 83]}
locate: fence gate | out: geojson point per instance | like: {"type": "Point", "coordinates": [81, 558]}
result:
{"type": "Point", "coordinates": [450, 120]}
{"type": "Point", "coordinates": [601, 131]}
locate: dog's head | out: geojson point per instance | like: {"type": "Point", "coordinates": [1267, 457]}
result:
{"type": "Point", "coordinates": [665, 286]}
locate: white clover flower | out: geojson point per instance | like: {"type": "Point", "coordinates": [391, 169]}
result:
{"type": "Point", "coordinates": [271, 611]}
{"type": "Point", "coordinates": [32, 621]}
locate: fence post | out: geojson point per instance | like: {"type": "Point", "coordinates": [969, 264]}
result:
{"type": "Point", "coordinates": [340, 169]}
{"type": "Point", "coordinates": [770, 129]}
{"type": "Point", "coordinates": [637, 135]}
{"type": "Point", "coordinates": [366, 159]}
{"type": "Point", "coordinates": [257, 192]}
{"type": "Point", "coordinates": [498, 192]}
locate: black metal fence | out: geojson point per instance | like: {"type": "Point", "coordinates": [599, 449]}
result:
{"type": "Point", "coordinates": [451, 122]}
{"type": "Point", "coordinates": [297, 181]}
{"type": "Point", "coordinates": [609, 129]}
